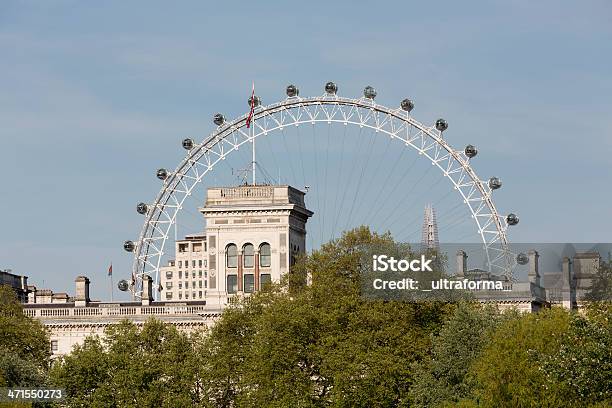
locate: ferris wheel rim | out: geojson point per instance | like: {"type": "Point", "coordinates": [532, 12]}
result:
{"type": "Point", "coordinates": [226, 129]}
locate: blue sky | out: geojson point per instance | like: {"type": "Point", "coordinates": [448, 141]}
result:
{"type": "Point", "coordinates": [95, 97]}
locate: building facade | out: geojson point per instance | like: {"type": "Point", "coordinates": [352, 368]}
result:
{"type": "Point", "coordinates": [18, 283]}
{"type": "Point", "coordinates": [70, 322]}
{"type": "Point", "coordinates": [253, 235]}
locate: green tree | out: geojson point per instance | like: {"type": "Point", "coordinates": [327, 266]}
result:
{"type": "Point", "coordinates": [441, 380]}
{"type": "Point", "coordinates": [582, 367]}
{"type": "Point", "coordinates": [508, 372]}
{"type": "Point", "coordinates": [322, 344]}
{"type": "Point", "coordinates": [152, 366]}
{"type": "Point", "coordinates": [24, 344]}
{"type": "Point", "coordinates": [601, 285]}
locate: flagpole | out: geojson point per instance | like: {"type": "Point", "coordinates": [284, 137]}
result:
{"type": "Point", "coordinates": [253, 132]}
{"type": "Point", "coordinates": [110, 274]}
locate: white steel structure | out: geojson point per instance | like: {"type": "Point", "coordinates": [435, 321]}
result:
{"type": "Point", "coordinates": [395, 123]}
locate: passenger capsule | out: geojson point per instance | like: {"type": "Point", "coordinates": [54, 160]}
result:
{"type": "Point", "coordinates": [369, 92]}
{"type": "Point", "coordinates": [129, 246]}
{"type": "Point", "coordinates": [494, 183]}
{"type": "Point", "coordinates": [331, 88]}
{"type": "Point", "coordinates": [292, 91]}
{"type": "Point", "coordinates": [407, 105]}
{"type": "Point", "coordinates": [162, 174]}
{"type": "Point", "coordinates": [218, 119]}
{"type": "Point", "coordinates": [522, 259]}
{"type": "Point", "coordinates": [142, 208]}
{"type": "Point", "coordinates": [470, 151]}
{"type": "Point", "coordinates": [512, 219]}
{"type": "Point", "coordinates": [441, 125]}
{"type": "Point", "coordinates": [122, 285]}
{"type": "Point", "coordinates": [187, 144]}
{"type": "Point", "coordinates": [254, 101]}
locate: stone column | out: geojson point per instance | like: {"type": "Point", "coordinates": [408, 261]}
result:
{"type": "Point", "coordinates": [147, 290]}
{"type": "Point", "coordinates": [567, 283]}
{"type": "Point", "coordinates": [81, 297]}
{"type": "Point", "coordinates": [256, 288]}
{"type": "Point", "coordinates": [240, 271]}
{"type": "Point", "coordinates": [534, 269]}
{"type": "Point", "coordinates": [461, 263]}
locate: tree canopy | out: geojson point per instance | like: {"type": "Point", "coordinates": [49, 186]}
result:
{"type": "Point", "coordinates": [24, 344]}
{"type": "Point", "coordinates": [324, 344]}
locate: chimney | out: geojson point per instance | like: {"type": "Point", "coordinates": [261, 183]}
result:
{"type": "Point", "coordinates": [567, 283]}
{"type": "Point", "coordinates": [147, 290]}
{"type": "Point", "coordinates": [461, 263]}
{"type": "Point", "coordinates": [534, 270]}
{"type": "Point", "coordinates": [81, 298]}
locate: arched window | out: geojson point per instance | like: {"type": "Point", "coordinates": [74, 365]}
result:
{"type": "Point", "coordinates": [248, 252]}
{"type": "Point", "coordinates": [265, 255]}
{"type": "Point", "coordinates": [231, 256]}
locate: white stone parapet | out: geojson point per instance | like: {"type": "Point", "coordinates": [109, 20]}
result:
{"type": "Point", "coordinates": [118, 310]}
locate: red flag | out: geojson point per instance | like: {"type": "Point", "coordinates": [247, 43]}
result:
{"type": "Point", "coordinates": [110, 270]}
{"type": "Point", "coordinates": [248, 121]}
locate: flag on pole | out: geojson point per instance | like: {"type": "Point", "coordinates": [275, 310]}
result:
{"type": "Point", "coordinates": [252, 100]}
{"type": "Point", "coordinates": [110, 270]}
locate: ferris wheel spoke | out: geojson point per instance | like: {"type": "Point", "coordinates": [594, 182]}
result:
{"type": "Point", "coordinates": [375, 176]}
{"type": "Point", "coordinates": [403, 200]}
{"type": "Point", "coordinates": [360, 180]}
{"type": "Point", "coordinates": [351, 172]}
{"type": "Point", "coordinates": [340, 173]}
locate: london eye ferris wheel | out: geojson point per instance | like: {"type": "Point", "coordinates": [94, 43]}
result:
{"type": "Point", "coordinates": [352, 147]}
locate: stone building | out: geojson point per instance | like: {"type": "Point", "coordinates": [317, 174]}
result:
{"type": "Point", "coordinates": [70, 322]}
{"type": "Point", "coordinates": [252, 236]}
{"type": "Point", "coordinates": [18, 283]}
{"type": "Point", "coordinates": [526, 296]}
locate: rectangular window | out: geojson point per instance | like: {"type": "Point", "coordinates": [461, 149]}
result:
{"type": "Point", "coordinates": [232, 283]}
{"type": "Point", "coordinates": [200, 273]}
{"type": "Point", "coordinates": [168, 285]}
{"type": "Point", "coordinates": [249, 283]}
{"type": "Point", "coordinates": [200, 263]}
{"type": "Point", "coordinates": [193, 264]}
{"type": "Point", "coordinates": [180, 285]}
{"type": "Point", "coordinates": [193, 295]}
{"type": "Point", "coordinates": [264, 279]}
{"type": "Point", "coordinates": [186, 285]}
{"type": "Point", "coordinates": [193, 274]}
{"type": "Point", "coordinates": [168, 275]}
{"type": "Point", "coordinates": [168, 295]}
{"type": "Point", "coordinates": [180, 263]}
{"type": "Point", "coordinates": [206, 284]}
{"type": "Point", "coordinates": [180, 274]}
{"type": "Point", "coordinates": [186, 295]}
{"type": "Point", "coordinates": [200, 284]}
{"type": "Point", "coordinates": [200, 294]}
{"type": "Point", "coordinates": [180, 295]}
{"type": "Point", "coordinates": [265, 255]}
{"type": "Point", "coordinates": [53, 346]}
